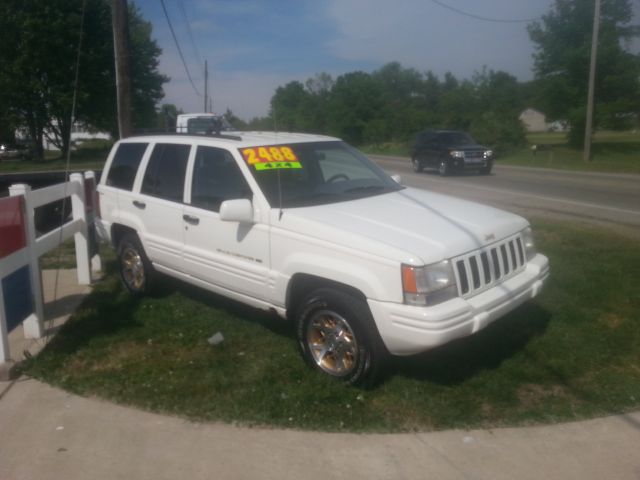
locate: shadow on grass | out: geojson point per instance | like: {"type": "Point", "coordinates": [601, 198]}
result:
{"type": "Point", "coordinates": [103, 315]}
{"type": "Point", "coordinates": [268, 320]}
{"type": "Point", "coordinates": [449, 364]}
{"type": "Point", "coordinates": [461, 359]}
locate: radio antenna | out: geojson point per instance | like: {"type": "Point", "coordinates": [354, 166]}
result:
{"type": "Point", "coordinates": [279, 196]}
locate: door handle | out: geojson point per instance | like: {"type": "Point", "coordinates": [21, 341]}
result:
{"type": "Point", "coordinates": [138, 204]}
{"type": "Point", "coordinates": [190, 219]}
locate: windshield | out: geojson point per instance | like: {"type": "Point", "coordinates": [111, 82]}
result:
{"type": "Point", "coordinates": [457, 139]}
{"type": "Point", "coordinates": [207, 124]}
{"type": "Point", "coordinates": [304, 174]}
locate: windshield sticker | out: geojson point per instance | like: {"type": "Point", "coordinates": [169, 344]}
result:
{"type": "Point", "coordinates": [271, 158]}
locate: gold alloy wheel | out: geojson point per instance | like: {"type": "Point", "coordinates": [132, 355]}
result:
{"type": "Point", "coordinates": [132, 268]}
{"type": "Point", "coordinates": [332, 343]}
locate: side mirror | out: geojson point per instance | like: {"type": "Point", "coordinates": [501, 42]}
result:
{"type": "Point", "coordinates": [397, 178]}
{"type": "Point", "coordinates": [239, 210]}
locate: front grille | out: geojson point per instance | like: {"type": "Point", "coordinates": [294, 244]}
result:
{"type": "Point", "coordinates": [471, 154]}
{"type": "Point", "coordinates": [488, 266]}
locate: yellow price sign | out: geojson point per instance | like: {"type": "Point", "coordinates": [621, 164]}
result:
{"type": "Point", "coordinates": [278, 157]}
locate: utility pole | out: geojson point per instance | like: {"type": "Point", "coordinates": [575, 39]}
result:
{"type": "Point", "coordinates": [206, 79]}
{"type": "Point", "coordinates": [592, 77]}
{"type": "Point", "coordinates": [122, 54]}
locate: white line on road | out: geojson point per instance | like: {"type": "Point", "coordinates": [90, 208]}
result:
{"type": "Point", "coordinates": [552, 199]}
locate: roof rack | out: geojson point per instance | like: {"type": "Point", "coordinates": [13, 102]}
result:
{"type": "Point", "coordinates": [158, 131]}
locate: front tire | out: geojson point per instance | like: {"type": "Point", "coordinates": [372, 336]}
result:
{"type": "Point", "coordinates": [486, 170]}
{"type": "Point", "coordinates": [417, 166]}
{"type": "Point", "coordinates": [444, 169]}
{"type": "Point", "coordinates": [338, 337]}
{"type": "Point", "coordinates": [136, 272]}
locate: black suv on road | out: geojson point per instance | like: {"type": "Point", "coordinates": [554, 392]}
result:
{"type": "Point", "coordinates": [450, 151]}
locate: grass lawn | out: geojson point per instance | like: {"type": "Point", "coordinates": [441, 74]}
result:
{"type": "Point", "coordinates": [89, 155]}
{"type": "Point", "coordinates": [611, 152]}
{"type": "Point", "coordinates": [572, 353]}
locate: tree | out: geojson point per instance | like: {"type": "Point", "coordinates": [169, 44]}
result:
{"type": "Point", "coordinates": [147, 81]}
{"type": "Point", "coordinates": [499, 101]}
{"type": "Point", "coordinates": [167, 116]}
{"type": "Point", "coordinates": [562, 40]}
{"type": "Point", "coordinates": [356, 99]}
{"type": "Point", "coordinates": [39, 70]}
{"type": "Point", "coordinates": [233, 120]}
{"type": "Point", "coordinates": [404, 110]}
{"type": "Point", "coordinates": [288, 106]}
{"type": "Point", "coordinates": [394, 103]}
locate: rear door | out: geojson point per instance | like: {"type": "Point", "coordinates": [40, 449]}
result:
{"type": "Point", "coordinates": [116, 188]}
{"type": "Point", "coordinates": [160, 204]}
{"type": "Point", "coordinates": [230, 255]}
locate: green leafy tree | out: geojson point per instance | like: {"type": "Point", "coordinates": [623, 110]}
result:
{"type": "Point", "coordinates": [394, 103]}
{"type": "Point", "coordinates": [356, 99]}
{"type": "Point", "coordinates": [235, 121]}
{"type": "Point", "coordinates": [146, 80]}
{"type": "Point", "coordinates": [317, 104]}
{"type": "Point", "coordinates": [167, 116]}
{"type": "Point", "coordinates": [404, 108]}
{"type": "Point", "coordinates": [498, 130]}
{"type": "Point", "coordinates": [288, 106]}
{"type": "Point", "coordinates": [499, 101]}
{"type": "Point", "coordinates": [39, 70]}
{"type": "Point", "coordinates": [562, 39]}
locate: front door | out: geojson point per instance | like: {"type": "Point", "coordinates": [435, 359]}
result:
{"type": "Point", "coordinates": [230, 255]}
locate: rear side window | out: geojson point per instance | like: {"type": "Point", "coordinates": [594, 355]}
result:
{"type": "Point", "coordinates": [125, 165]}
{"type": "Point", "coordinates": [165, 173]}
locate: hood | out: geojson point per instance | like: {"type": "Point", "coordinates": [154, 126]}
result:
{"type": "Point", "coordinates": [465, 148]}
{"type": "Point", "coordinates": [409, 226]}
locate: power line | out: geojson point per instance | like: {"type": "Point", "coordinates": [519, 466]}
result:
{"type": "Point", "coordinates": [175, 39]}
{"type": "Point", "coordinates": [189, 31]}
{"type": "Point", "coordinates": [485, 19]}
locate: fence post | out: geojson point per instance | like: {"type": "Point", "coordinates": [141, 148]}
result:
{"type": "Point", "coordinates": [96, 261]}
{"type": "Point", "coordinates": [82, 237]}
{"type": "Point", "coordinates": [33, 325]}
{"type": "Point", "coordinates": [5, 355]}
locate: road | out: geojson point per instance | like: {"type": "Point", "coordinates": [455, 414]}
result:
{"type": "Point", "coordinates": [604, 199]}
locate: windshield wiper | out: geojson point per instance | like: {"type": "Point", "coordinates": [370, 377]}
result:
{"type": "Point", "coordinates": [366, 189]}
{"type": "Point", "coordinates": [315, 198]}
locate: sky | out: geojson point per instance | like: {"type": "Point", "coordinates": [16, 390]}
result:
{"type": "Point", "coordinates": [254, 46]}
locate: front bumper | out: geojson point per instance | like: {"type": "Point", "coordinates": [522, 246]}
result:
{"type": "Point", "coordinates": [460, 164]}
{"type": "Point", "coordinates": [406, 330]}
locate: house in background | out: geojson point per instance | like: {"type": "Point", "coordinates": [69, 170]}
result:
{"type": "Point", "coordinates": [534, 121]}
{"type": "Point", "coordinates": [79, 133]}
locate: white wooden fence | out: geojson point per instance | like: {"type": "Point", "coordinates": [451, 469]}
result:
{"type": "Point", "coordinates": [17, 253]}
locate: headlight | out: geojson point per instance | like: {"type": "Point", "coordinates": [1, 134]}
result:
{"type": "Point", "coordinates": [488, 153]}
{"type": "Point", "coordinates": [529, 245]}
{"type": "Point", "coordinates": [456, 154]}
{"type": "Point", "coordinates": [428, 285]}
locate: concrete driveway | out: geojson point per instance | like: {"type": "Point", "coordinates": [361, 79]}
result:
{"type": "Point", "coordinates": [50, 434]}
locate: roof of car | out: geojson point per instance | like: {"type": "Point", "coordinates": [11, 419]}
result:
{"type": "Point", "coordinates": [234, 138]}
{"type": "Point", "coordinates": [435, 130]}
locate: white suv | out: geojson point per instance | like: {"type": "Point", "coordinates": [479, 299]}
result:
{"type": "Point", "coordinates": [307, 227]}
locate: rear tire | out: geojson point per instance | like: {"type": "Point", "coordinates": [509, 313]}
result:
{"type": "Point", "coordinates": [136, 272]}
{"type": "Point", "coordinates": [338, 337]}
{"type": "Point", "coordinates": [417, 166]}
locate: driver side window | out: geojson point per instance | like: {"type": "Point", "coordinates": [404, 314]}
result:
{"type": "Point", "coordinates": [216, 178]}
{"type": "Point", "coordinates": [340, 165]}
